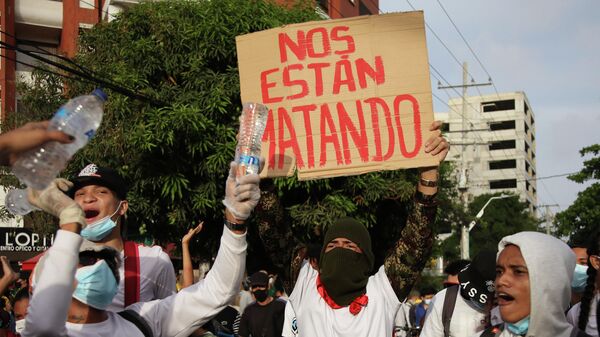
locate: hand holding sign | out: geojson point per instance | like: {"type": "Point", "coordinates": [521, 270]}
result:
{"type": "Point", "coordinates": [437, 145]}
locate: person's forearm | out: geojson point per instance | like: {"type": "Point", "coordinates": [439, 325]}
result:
{"type": "Point", "coordinates": [5, 281]}
{"type": "Point", "coordinates": [207, 297]}
{"type": "Point", "coordinates": [54, 287]}
{"type": "Point", "coordinates": [188, 270]}
{"type": "Point", "coordinates": [410, 253]}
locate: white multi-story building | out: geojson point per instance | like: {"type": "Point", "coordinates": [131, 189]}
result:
{"type": "Point", "coordinates": [493, 145]}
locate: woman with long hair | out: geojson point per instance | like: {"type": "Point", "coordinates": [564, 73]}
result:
{"type": "Point", "coordinates": [584, 315]}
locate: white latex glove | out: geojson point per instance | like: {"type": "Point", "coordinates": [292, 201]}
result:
{"type": "Point", "coordinates": [54, 201]}
{"type": "Point", "coordinates": [241, 193]}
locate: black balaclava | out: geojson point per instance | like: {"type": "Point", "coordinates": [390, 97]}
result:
{"type": "Point", "coordinates": [345, 273]}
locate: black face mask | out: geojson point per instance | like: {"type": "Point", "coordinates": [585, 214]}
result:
{"type": "Point", "coordinates": [345, 274]}
{"type": "Point", "coordinates": [260, 295]}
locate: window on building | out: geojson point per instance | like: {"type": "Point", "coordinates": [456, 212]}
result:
{"type": "Point", "coordinates": [363, 9]}
{"type": "Point", "coordinates": [526, 108]}
{"type": "Point", "coordinates": [324, 4]}
{"type": "Point", "coordinates": [504, 183]}
{"type": "Point", "coordinates": [526, 146]}
{"type": "Point", "coordinates": [504, 125]}
{"type": "Point", "coordinates": [526, 127]}
{"type": "Point", "coordinates": [503, 164]}
{"type": "Point", "coordinates": [508, 104]}
{"type": "Point", "coordinates": [526, 167]}
{"type": "Point", "coordinates": [527, 185]}
{"type": "Point", "coordinates": [503, 145]}
{"type": "Point", "coordinates": [532, 138]}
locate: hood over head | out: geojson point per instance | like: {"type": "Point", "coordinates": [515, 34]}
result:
{"type": "Point", "coordinates": [550, 263]}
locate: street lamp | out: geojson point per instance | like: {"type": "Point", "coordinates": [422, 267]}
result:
{"type": "Point", "coordinates": [464, 233]}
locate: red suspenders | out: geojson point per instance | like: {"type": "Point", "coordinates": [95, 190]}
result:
{"type": "Point", "coordinates": [132, 273]}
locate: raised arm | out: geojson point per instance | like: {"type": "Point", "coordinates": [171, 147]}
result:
{"type": "Point", "coordinates": [9, 276]}
{"type": "Point", "coordinates": [409, 255]}
{"type": "Point", "coordinates": [172, 316]}
{"type": "Point", "coordinates": [188, 269]}
{"type": "Point", "coordinates": [54, 283]}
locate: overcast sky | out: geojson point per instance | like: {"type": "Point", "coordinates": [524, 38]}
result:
{"type": "Point", "coordinates": [550, 49]}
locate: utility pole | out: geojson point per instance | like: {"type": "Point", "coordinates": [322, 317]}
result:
{"type": "Point", "coordinates": [464, 165]}
{"type": "Point", "coordinates": [548, 217]}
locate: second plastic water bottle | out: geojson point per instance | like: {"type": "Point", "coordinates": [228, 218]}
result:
{"type": "Point", "coordinates": [252, 126]}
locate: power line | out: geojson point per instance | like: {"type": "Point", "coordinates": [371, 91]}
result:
{"type": "Point", "coordinates": [84, 74]}
{"type": "Point", "coordinates": [439, 39]}
{"type": "Point", "coordinates": [469, 46]}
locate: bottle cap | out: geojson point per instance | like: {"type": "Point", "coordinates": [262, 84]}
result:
{"type": "Point", "coordinates": [100, 94]}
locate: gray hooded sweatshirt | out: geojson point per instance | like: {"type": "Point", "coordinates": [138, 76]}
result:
{"type": "Point", "coordinates": [550, 263]}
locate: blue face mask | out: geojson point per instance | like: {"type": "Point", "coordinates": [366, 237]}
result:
{"type": "Point", "coordinates": [100, 229]}
{"type": "Point", "coordinates": [96, 285]}
{"type": "Point", "coordinates": [579, 278]}
{"type": "Point", "coordinates": [520, 327]}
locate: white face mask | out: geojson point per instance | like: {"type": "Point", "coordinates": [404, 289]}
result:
{"type": "Point", "coordinates": [20, 326]}
{"type": "Point", "coordinates": [427, 301]}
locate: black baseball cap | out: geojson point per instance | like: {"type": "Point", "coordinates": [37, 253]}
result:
{"type": "Point", "coordinates": [478, 277]}
{"type": "Point", "coordinates": [259, 279]}
{"type": "Point", "coordinates": [102, 176]}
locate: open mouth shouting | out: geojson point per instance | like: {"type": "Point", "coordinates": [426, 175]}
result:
{"type": "Point", "coordinates": [505, 299]}
{"type": "Point", "coordinates": [91, 215]}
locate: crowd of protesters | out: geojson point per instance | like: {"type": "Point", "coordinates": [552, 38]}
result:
{"type": "Point", "coordinates": [92, 282]}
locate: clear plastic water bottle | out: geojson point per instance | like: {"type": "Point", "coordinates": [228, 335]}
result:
{"type": "Point", "coordinates": [80, 117]}
{"type": "Point", "coordinates": [252, 126]}
{"type": "Point", "coordinates": [16, 202]}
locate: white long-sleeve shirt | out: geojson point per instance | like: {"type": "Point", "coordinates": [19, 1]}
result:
{"type": "Point", "coordinates": [176, 315]}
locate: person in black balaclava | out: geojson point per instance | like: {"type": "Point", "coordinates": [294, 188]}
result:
{"type": "Point", "coordinates": [348, 295]}
{"type": "Point", "coordinates": [264, 317]}
{"type": "Point", "coordinates": [348, 242]}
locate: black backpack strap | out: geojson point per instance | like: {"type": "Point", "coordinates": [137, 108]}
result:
{"type": "Point", "coordinates": [138, 320]}
{"type": "Point", "coordinates": [448, 309]}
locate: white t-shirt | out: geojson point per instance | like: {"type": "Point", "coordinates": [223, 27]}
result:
{"type": "Point", "coordinates": [316, 318]}
{"type": "Point", "coordinates": [177, 315]}
{"type": "Point", "coordinates": [290, 323]}
{"type": "Point", "coordinates": [157, 277]}
{"type": "Point", "coordinates": [573, 316]}
{"type": "Point", "coordinates": [466, 321]}
{"type": "Point", "coordinates": [107, 328]}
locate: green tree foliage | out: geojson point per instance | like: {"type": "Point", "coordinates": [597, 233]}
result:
{"type": "Point", "coordinates": [501, 217]}
{"type": "Point", "coordinates": [581, 220]}
{"type": "Point", "coordinates": [176, 155]}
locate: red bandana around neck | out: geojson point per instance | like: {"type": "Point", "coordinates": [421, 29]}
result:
{"type": "Point", "coordinates": [356, 305]}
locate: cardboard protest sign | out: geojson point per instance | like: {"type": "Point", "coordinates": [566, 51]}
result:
{"type": "Point", "coordinates": [345, 96]}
